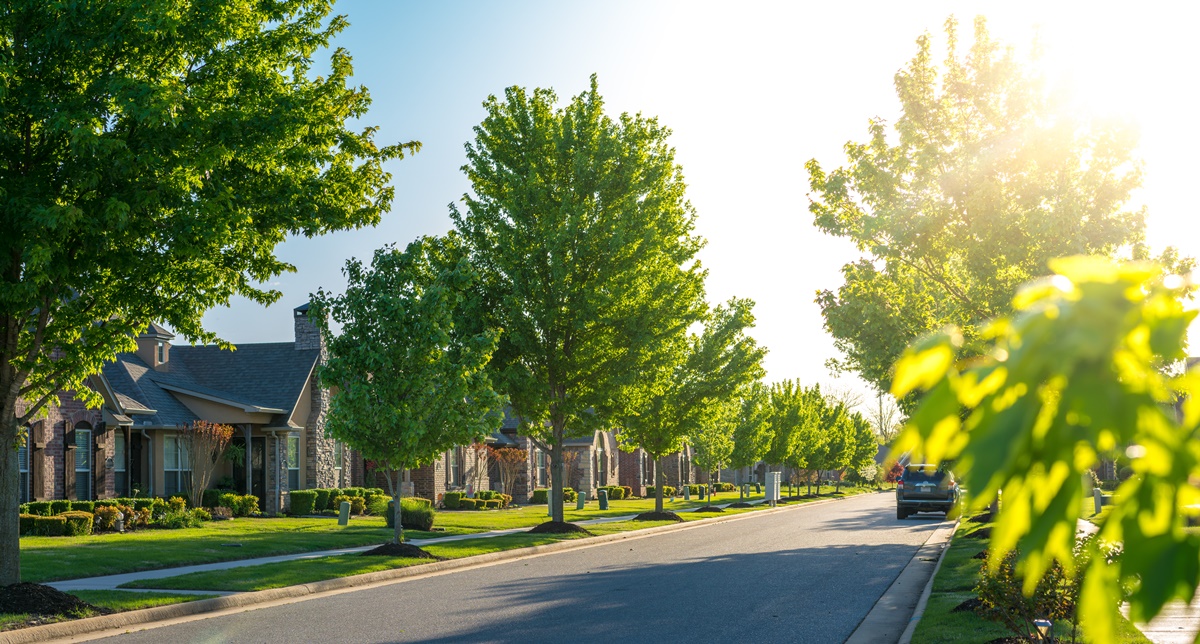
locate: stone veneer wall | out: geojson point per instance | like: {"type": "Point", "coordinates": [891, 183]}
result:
{"type": "Point", "coordinates": [319, 469]}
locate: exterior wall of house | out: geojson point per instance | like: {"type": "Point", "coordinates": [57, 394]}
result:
{"type": "Point", "coordinates": [48, 455]}
{"type": "Point", "coordinates": [634, 472]}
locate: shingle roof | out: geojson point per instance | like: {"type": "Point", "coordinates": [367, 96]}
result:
{"type": "Point", "coordinates": [268, 375]}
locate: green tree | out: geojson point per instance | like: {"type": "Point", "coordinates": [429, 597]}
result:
{"type": "Point", "coordinates": [709, 371]}
{"type": "Point", "coordinates": [152, 156]}
{"type": "Point", "coordinates": [984, 180]}
{"type": "Point", "coordinates": [796, 439]}
{"type": "Point", "coordinates": [408, 384]}
{"type": "Point", "coordinates": [752, 434]}
{"type": "Point", "coordinates": [579, 229]}
{"type": "Point", "coordinates": [1075, 373]}
{"type": "Point", "coordinates": [713, 437]}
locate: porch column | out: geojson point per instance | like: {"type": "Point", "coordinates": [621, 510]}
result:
{"type": "Point", "coordinates": [248, 467]}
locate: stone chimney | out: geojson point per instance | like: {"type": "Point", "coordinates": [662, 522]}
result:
{"type": "Point", "coordinates": [308, 336]}
{"type": "Point", "coordinates": [154, 346]}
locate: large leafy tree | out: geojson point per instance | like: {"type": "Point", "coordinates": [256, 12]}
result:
{"type": "Point", "coordinates": [752, 433]}
{"type": "Point", "coordinates": [983, 180]}
{"type": "Point", "coordinates": [583, 240]}
{"type": "Point", "coordinates": [408, 384]}
{"type": "Point", "coordinates": [708, 373]}
{"type": "Point", "coordinates": [152, 156]}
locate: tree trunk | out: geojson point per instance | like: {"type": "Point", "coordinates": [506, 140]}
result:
{"type": "Point", "coordinates": [556, 473]}
{"type": "Point", "coordinates": [397, 491]}
{"type": "Point", "coordinates": [10, 498]}
{"type": "Point", "coordinates": [658, 489]}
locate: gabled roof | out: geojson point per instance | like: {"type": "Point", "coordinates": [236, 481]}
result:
{"type": "Point", "coordinates": [260, 378]}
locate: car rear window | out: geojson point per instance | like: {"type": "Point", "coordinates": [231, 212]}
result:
{"type": "Point", "coordinates": [923, 474]}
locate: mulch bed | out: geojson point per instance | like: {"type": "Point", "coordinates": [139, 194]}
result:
{"type": "Point", "coordinates": [1007, 640]}
{"type": "Point", "coordinates": [972, 605]}
{"type": "Point", "coordinates": [986, 517]}
{"type": "Point", "coordinates": [983, 554]}
{"type": "Point", "coordinates": [399, 550]}
{"type": "Point", "coordinates": [558, 527]}
{"type": "Point", "coordinates": [665, 515]}
{"type": "Point", "coordinates": [36, 599]}
{"type": "Point", "coordinates": [741, 504]}
{"type": "Point", "coordinates": [709, 508]}
{"type": "Point", "coordinates": [982, 533]}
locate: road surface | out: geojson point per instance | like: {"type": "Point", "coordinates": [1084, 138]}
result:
{"type": "Point", "coordinates": [808, 574]}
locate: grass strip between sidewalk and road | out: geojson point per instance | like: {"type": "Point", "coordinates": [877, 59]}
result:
{"type": "Point", "coordinates": [291, 573]}
{"type": "Point", "coordinates": [955, 584]}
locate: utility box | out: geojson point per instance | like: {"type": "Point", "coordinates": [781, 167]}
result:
{"type": "Point", "coordinates": [344, 513]}
{"type": "Point", "coordinates": [602, 495]}
{"type": "Point", "coordinates": [773, 483]}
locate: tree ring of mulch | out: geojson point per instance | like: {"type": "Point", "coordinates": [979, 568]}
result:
{"type": "Point", "coordinates": [986, 517]}
{"type": "Point", "coordinates": [982, 554]}
{"type": "Point", "coordinates": [741, 504]}
{"type": "Point", "coordinates": [36, 599]}
{"type": "Point", "coordinates": [399, 550]}
{"type": "Point", "coordinates": [665, 515]}
{"type": "Point", "coordinates": [558, 527]}
{"type": "Point", "coordinates": [972, 605]}
{"type": "Point", "coordinates": [709, 508]}
{"type": "Point", "coordinates": [982, 533]}
{"type": "Point", "coordinates": [1006, 640]}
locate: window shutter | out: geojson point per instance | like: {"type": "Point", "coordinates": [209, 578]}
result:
{"type": "Point", "coordinates": [37, 457]}
{"type": "Point", "coordinates": [99, 436]}
{"type": "Point", "coordinates": [68, 463]}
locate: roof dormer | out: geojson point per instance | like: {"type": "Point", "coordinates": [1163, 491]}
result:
{"type": "Point", "coordinates": [154, 346]}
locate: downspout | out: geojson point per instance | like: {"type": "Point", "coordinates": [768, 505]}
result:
{"type": "Point", "coordinates": [149, 462]}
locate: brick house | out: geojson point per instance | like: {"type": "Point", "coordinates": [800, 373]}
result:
{"type": "Point", "coordinates": [267, 391]}
{"type": "Point", "coordinates": [637, 470]}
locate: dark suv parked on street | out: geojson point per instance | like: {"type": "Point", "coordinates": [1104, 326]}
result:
{"type": "Point", "coordinates": [925, 488]}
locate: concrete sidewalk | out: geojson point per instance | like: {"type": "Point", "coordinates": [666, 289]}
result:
{"type": "Point", "coordinates": [1178, 623]}
{"type": "Point", "coordinates": [111, 582]}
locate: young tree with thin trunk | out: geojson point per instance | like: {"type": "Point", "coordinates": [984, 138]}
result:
{"type": "Point", "coordinates": [752, 434]}
{"type": "Point", "coordinates": [708, 371]}
{"type": "Point", "coordinates": [510, 461]}
{"type": "Point", "coordinates": [578, 226]}
{"type": "Point", "coordinates": [407, 384]}
{"type": "Point", "coordinates": [206, 443]}
{"type": "Point", "coordinates": [152, 155]}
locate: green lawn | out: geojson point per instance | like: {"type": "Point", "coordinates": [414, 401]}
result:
{"type": "Point", "coordinates": [123, 600]}
{"type": "Point", "coordinates": [955, 583]}
{"type": "Point", "coordinates": [53, 558]}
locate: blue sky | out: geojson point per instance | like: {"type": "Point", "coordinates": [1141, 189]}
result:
{"type": "Point", "coordinates": [752, 91]}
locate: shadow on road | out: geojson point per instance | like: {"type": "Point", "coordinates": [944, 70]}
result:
{"type": "Point", "coordinates": [810, 594]}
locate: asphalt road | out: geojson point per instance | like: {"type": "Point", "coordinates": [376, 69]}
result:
{"type": "Point", "coordinates": [809, 574]}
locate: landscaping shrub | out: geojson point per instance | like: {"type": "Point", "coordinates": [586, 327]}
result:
{"type": "Point", "coordinates": [202, 514]}
{"type": "Point", "coordinates": [58, 507]}
{"type": "Point", "coordinates": [247, 505]}
{"type": "Point", "coordinates": [301, 502]}
{"type": "Point", "coordinates": [569, 495]}
{"type": "Point", "coordinates": [486, 495]}
{"type": "Point", "coordinates": [228, 500]}
{"type": "Point", "coordinates": [337, 503]}
{"type": "Point", "coordinates": [453, 500]}
{"type": "Point", "coordinates": [25, 523]}
{"type": "Point", "coordinates": [668, 490]}
{"type": "Point", "coordinates": [505, 500]}
{"type": "Point", "coordinates": [212, 497]}
{"type": "Point", "coordinates": [105, 503]}
{"type": "Point", "coordinates": [358, 505]}
{"type": "Point", "coordinates": [176, 504]}
{"type": "Point", "coordinates": [627, 491]}
{"type": "Point", "coordinates": [491, 504]}
{"type": "Point", "coordinates": [40, 508]}
{"type": "Point", "coordinates": [178, 519]}
{"type": "Point", "coordinates": [378, 504]}
{"type": "Point", "coordinates": [334, 504]}
{"type": "Point", "coordinates": [105, 517]}
{"type": "Point", "coordinates": [142, 504]}
{"type": "Point", "coordinates": [540, 495]}
{"type": "Point", "coordinates": [79, 523]}
{"type": "Point", "coordinates": [1004, 602]}
{"type": "Point", "coordinates": [322, 500]}
{"type": "Point", "coordinates": [158, 508]}
{"type": "Point", "coordinates": [137, 518]}
{"type": "Point", "coordinates": [471, 504]}
{"type": "Point", "coordinates": [378, 491]}
{"type": "Point", "coordinates": [83, 506]}
{"type": "Point", "coordinates": [52, 526]}
{"type": "Point", "coordinates": [415, 514]}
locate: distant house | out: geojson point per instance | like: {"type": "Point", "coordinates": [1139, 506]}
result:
{"type": "Point", "coordinates": [267, 391]}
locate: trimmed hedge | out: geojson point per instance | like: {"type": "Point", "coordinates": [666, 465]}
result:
{"type": "Point", "coordinates": [453, 500]}
{"type": "Point", "coordinates": [54, 526]}
{"type": "Point", "coordinates": [491, 504]}
{"type": "Point", "coordinates": [105, 517]}
{"type": "Point", "coordinates": [667, 490]}
{"type": "Point", "coordinates": [378, 504]}
{"type": "Point", "coordinates": [358, 505]}
{"type": "Point", "coordinates": [83, 506]}
{"type": "Point", "coordinates": [302, 502]}
{"type": "Point", "coordinates": [541, 495]}
{"type": "Point", "coordinates": [40, 508]}
{"type": "Point", "coordinates": [322, 501]}
{"type": "Point", "coordinates": [25, 523]}
{"type": "Point", "coordinates": [469, 504]}
{"type": "Point", "coordinates": [415, 514]}
{"type": "Point", "coordinates": [58, 507]}
{"type": "Point", "coordinates": [616, 492]}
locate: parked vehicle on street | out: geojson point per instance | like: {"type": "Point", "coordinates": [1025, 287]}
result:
{"type": "Point", "coordinates": [925, 488]}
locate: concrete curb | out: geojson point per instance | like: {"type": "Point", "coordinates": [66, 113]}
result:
{"type": "Point", "coordinates": [889, 619]}
{"type": "Point", "coordinates": [117, 621]}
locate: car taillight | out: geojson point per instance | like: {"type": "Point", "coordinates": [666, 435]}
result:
{"type": "Point", "coordinates": [899, 484]}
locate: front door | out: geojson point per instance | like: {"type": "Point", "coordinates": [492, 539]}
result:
{"type": "Point", "coordinates": [256, 459]}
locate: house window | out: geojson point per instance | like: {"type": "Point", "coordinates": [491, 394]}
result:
{"type": "Point", "coordinates": [23, 466]}
{"type": "Point", "coordinates": [120, 476]}
{"type": "Point", "coordinates": [453, 468]}
{"type": "Point", "coordinates": [162, 352]}
{"type": "Point", "coordinates": [177, 467]}
{"type": "Point", "coordinates": [338, 453]}
{"type": "Point", "coordinates": [541, 468]}
{"type": "Point", "coordinates": [293, 462]}
{"type": "Point", "coordinates": [83, 464]}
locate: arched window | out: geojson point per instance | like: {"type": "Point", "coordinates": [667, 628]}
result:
{"type": "Point", "coordinates": [83, 461]}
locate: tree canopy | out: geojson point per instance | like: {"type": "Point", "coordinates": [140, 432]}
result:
{"type": "Point", "coordinates": [983, 180]}
{"type": "Point", "coordinates": [407, 383]}
{"type": "Point", "coordinates": [578, 227]}
{"type": "Point", "coordinates": [152, 156]}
